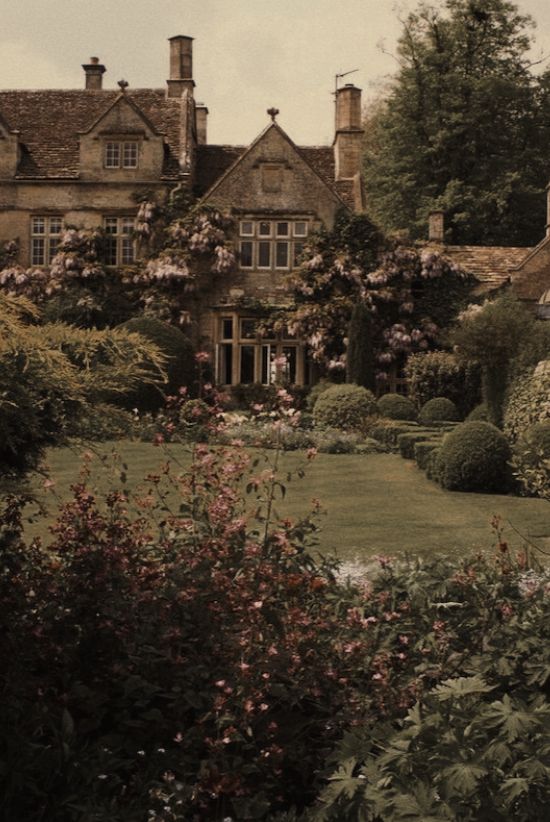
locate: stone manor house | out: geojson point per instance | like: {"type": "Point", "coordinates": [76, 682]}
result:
{"type": "Point", "coordinates": [83, 157]}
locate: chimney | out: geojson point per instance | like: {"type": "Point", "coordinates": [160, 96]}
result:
{"type": "Point", "coordinates": [201, 116]}
{"type": "Point", "coordinates": [548, 210]}
{"type": "Point", "coordinates": [94, 72]}
{"type": "Point", "coordinates": [436, 227]}
{"type": "Point", "coordinates": [181, 66]}
{"type": "Point", "coordinates": [349, 132]}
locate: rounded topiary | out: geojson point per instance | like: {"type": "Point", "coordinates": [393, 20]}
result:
{"type": "Point", "coordinates": [474, 457]}
{"type": "Point", "coordinates": [479, 413]}
{"type": "Point", "coordinates": [396, 407]}
{"type": "Point", "coordinates": [439, 409]}
{"type": "Point", "coordinates": [180, 363]}
{"type": "Point", "coordinates": [344, 406]}
{"type": "Point", "coordinates": [316, 391]}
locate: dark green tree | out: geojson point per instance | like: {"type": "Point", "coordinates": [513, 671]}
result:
{"type": "Point", "coordinates": [464, 127]}
{"type": "Point", "coordinates": [360, 360]}
{"type": "Point", "coordinates": [494, 336]}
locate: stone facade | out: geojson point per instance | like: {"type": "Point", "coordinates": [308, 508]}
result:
{"type": "Point", "coordinates": [85, 157]}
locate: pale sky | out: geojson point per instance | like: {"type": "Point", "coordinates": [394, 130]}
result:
{"type": "Point", "coordinates": [249, 55]}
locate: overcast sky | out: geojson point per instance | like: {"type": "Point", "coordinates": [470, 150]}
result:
{"type": "Point", "coordinates": [248, 54]}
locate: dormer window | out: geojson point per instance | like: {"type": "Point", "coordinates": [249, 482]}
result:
{"type": "Point", "coordinates": [121, 154]}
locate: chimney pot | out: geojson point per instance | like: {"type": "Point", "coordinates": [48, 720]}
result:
{"type": "Point", "coordinates": [349, 132]}
{"type": "Point", "coordinates": [94, 72]}
{"type": "Point", "coordinates": [181, 65]}
{"type": "Point", "coordinates": [436, 227]}
{"type": "Point", "coordinates": [201, 118]}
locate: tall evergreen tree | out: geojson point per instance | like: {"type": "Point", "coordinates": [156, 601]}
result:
{"type": "Point", "coordinates": [465, 127]}
{"type": "Point", "coordinates": [360, 360]}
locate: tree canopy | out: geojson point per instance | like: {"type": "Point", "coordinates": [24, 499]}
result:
{"type": "Point", "coordinates": [464, 127]}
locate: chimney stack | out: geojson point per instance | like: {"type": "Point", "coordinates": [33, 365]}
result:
{"type": "Point", "coordinates": [436, 227]}
{"type": "Point", "coordinates": [181, 66]}
{"type": "Point", "coordinates": [201, 117]}
{"type": "Point", "coordinates": [94, 72]}
{"type": "Point", "coordinates": [349, 132]}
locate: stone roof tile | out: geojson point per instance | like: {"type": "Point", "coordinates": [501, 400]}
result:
{"type": "Point", "coordinates": [493, 266]}
{"type": "Point", "coordinates": [50, 121]}
{"type": "Point", "coordinates": [214, 160]}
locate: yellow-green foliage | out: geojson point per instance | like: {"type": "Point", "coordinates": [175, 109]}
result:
{"type": "Point", "coordinates": [52, 374]}
{"type": "Point", "coordinates": [112, 361]}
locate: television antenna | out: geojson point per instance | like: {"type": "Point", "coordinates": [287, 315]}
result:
{"type": "Point", "coordinates": [339, 77]}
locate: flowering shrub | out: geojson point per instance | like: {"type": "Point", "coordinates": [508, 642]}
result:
{"type": "Point", "coordinates": [474, 744]}
{"type": "Point", "coordinates": [199, 664]}
{"type": "Point", "coordinates": [410, 296]}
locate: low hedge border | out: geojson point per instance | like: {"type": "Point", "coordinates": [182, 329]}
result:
{"type": "Point", "coordinates": [423, 450]}
{"type": "Point", "coordinates": [406, 442]}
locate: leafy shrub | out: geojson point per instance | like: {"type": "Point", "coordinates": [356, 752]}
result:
{"type": "Point", "coordinates": [528, 403]}
{"type": "Point", "coordinates": [423, 450]}
{"type": "Point", "coordinates": [438, 409]}
{"type": "Point", "coordinates": [316, 391]}
{"type": "Point", "coordinates": [37, 387]}
{"type": "Point", "coordinates": [267, 434]}
{"type": "Point", "coordinates": [493, 335]}
{"type": "Point", "coordinates": [532, 460]}
{"type": "Point", "coordinates": [245, 395]}
{"type": "Point", "coordinates": [479, 413]}
{"type": "Point", "coordinates": [474, 457]}
{"type": "Point", "coordinates": [180, 363]}
{"type": "Point", "coordinates": [407, 442]}
{"type": "Point", "coordinates": [433, 470]}
{"type": "Point", "coordinates": [183, 419]}
{"type": "Point", "coordinates": [201, 665]}
{"type": "Point", "coordinates": [535, 441]}
{"type": "Point", "coordinates": [491, 693]}
{"type": "Point", "coordinates": [344, 406]}
{"type": "Point", "coordinates": [440, 374]}
{"type": "Point", "coordinates": [360, 355]}
{"type": "Point", "coordinates": [387, 431]}
{"type": "Point", "coordinates": [103, 422]}
{"type": "Point", "coordinates": [396, 407]}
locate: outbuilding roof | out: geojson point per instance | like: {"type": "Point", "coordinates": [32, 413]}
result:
{"type": "Point", "coordinates": [492, 266]}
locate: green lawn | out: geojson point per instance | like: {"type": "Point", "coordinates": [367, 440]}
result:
{"type": "Point", "coordinates": [374, 504]}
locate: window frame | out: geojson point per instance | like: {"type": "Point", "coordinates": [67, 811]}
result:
{"type": "Point", "coordinates": [52, 225]}
{"type": "Point", "coordinates": [117, 152]}
{"type": "Point", "coordinates": [121, 240]}
{"type": "Point", "coordinates": [258, 233]}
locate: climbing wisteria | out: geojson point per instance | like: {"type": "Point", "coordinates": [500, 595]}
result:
{"type": "Point", "coordinates": [410, 292]}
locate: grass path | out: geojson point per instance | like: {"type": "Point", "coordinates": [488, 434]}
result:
{"type": "Point", "coordinates": [374, 504]}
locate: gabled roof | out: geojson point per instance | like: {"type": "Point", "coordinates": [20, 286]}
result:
{"type": "Point", "coordinates": [530, 281]}
{"type": "Point", "coordinates": [492, 266]}
{"type": "Point", "coordinates": [122, 99]}
{"type": "Point", "coordinates": [50, 123]}
{"type": "Point", "coordinates": [215, 163]}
